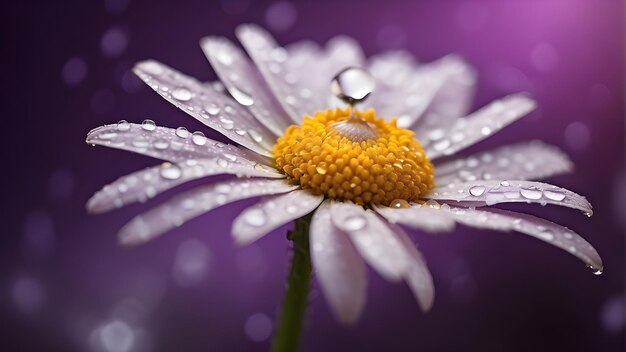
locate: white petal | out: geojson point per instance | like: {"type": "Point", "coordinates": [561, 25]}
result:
{"type": "Point", "coordinates": [479, 193]}
{"type": "Point", "coordinates": [164, 143]}
{"type": "Point", "coordinates": [193, 203]}
{"type": "Point", "coordinates": [452, 98]}
{"type": "Point", "coordinates": [417, 217]}
{"type": "Point", "coordinates": [522, 161]}
{"type": "Point", "coordinates": [339, 267]}
{"type": "Point", "coordinates": [477, 126]}
{"type": "Point", "coordinates": [244, 83]}
{"type": "Point", "coordinates": [418, 276]}
{"type": "Point", "coordinates": [554, 234]}
{"type": "Point", "coordinates": [213, 109]}
{"type": "Point", "coordinates": [265, 216]}
{"type": "Point", "coordinates": [145, 184]}
{"type": "Point", "coordinates": [270, 59]}
{"type": "Point", "coordinates": [378, 245]}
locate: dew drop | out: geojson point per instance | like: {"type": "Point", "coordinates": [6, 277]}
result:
{"type": "Point", "coordinates": [140, 143]}
{"type": "Point", "coordinates": [529, 193]}
{"type": "Point", "coordinates": [160, 144]}
{"type": "Point", "coordinates": [431, 203]}
{"type": "Point", "coordinates": [182, 132]}
{"type": "Point", "coordinates": [546, 235]}
{"type": "Point", "coordinates": [353, 85]}
{"type": "Point", "coordinates": [170, 171]}
{"type": "Point", "coordinates": [255, 217]}
{"type": "Point", "coordinates": [227, 123]}
{"type": "Point", "coordinates": [595, 270]}
{"type": "Point", "coordinates": [442, 145]}
{"type": "Point", "coordinates": [123, 126]}
{"type": "Point", "coordinates": [477, 191]}
{"type": "Point", "coordinates": [222, 163]}
{"type": "Point", "coordinates": [353, 223]}
{"type": "Point", "coordinates": [242, 98]}
{"type": "Point", "coordinates": [255, 135]}
{"type": "Point", "coordinates": [321, 170]}
{"type": "Point", "coordinates": [212, 108]}
{"type": "Point", "coordinates": [152, 68]}
{"type": "Point", "coordinates": [181, 94]}
{"type": "Point", "coordinates": [553, 195]}
{"type": "Point", "coordinates": [399, 204]}
{"type": "Point", "coordinates": [148, 125]}
{"type": "Point", "coordinates": [291, 209]}
{"type": "Point", "coordinates": [198, 138]}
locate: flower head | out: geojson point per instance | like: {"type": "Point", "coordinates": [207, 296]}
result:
{"type": "Point", "coordinates": [362, 170]}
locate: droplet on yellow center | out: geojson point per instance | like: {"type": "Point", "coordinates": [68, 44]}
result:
{"type": "Point", "coordinates": [351, 155]}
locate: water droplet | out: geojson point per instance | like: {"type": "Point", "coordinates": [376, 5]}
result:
{"type": "Point", "coordinates": [595, 270]}
{"type": "Point", "coordinates": [530, 193]}
{"type": "Point", "coordinates": [222, 163]}
{"type": "Point", "coordinates": [170, 171]}
{"type": "Point", "coordinates": [212, 108]}
{"type": "Point", "coordinates": [353, 85]}
{"type": "Point", "coordinates": [485, 131]}
{"type": "Point", "coordinates": [291, 209]}
{"type": "Point", "coordinates": [123, 126]}
{"type": "Point", "coordinates": [431, 203]}
{"type": "Point", "coordinates": [148, 125]}
{"type": "Point", "coordinates": [477, 191]}
{"type": "Point", "coordinates": [505, 183]}
{"type": "Point", "coordinates": [436, 134]}
{"type": "Point", "coordinates": [108, 135]}
{"type": "Point", "coordinates": [152, 68]}
{"type": "Point", "coordinates": [553, 195]}
{"type": "Point", "coordinates": [181, 94]}
{"type": "Point", "coordinates": [224, 57]}
{"type": "Point", "coordinates": [160, 144]}
{"type": "Point", "coordinates": [353, 223]}
{"type": "Point", "coordinates": [242, 98]}
{"type": "Point", "coordinates": [198, 138]}
{"type": "Point", "coordinates": [399, 204]}
{"type": "Point", "coordinates": [256, 136]}
{"type": "Point", "coordinates": [442, 145]}
{"type": "Point", "coordinates": [227, 123]}
{"type": "Point", "coordinates": [182, 132]}
{"type": "Point", "coordinates": [321, 170]}
{"type": "Point", "coordinates": [222, 188]}
{"type": "Point", "coordinates": [255, 217]}
{"type": "Point", "coordinates": [546, 235]}
{"type": "Point", "coordinates": [140, 143]}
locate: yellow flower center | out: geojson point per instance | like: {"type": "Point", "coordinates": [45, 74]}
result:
{"type": "Point", "coordinates": [352, 155]}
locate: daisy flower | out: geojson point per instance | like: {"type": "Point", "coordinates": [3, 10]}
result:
{"type": "Point", "coordinates": [346, 146]}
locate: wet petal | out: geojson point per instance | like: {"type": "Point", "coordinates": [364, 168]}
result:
{"type": "Point", "coordinates": [523, 161]}
{"type": "Point", "coordinates": [195, 202]}
{"type": "Point", "coordinates": [339, 268]}
{"type": "Point", "coordinates": [479, 193]}
{"type": "Point", "coordinates": [417, 217]}
{"type": "Point", "coordinates": [477, 126]}
{"type": "Point", "coordinates": [418, 276]}
{"type": "Point", "coordinates": [203, 103]}
{"type": "Point", "coordinates": [265, 216]}
{"type": "Point", "coordinates": [554, 234]}
{"type": "Point", "coordinates": [373, 239]}
{"type": "Point", "coordinates": [174, 145]}
{"type": "Point", "coordinates": [244, 83]}
{"type": "Point", "coordinates": [270, 59]}
{"type": "Point", "coordinates": [145, 184]}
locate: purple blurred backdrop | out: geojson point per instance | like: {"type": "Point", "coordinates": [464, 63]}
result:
{"type": "Point", "coordinates": [65, 284]}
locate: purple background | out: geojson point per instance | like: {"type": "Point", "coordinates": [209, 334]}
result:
{"type": "Point", "coordinates": [65, 284]}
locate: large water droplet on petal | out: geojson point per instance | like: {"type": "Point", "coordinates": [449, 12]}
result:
{"type": "Point", "coordinates": [353, 223]}
{"type": "Point", "coordinates": [170, 171]}
{"type": "Point", "coordinates": [198, 138]}
{"type": "Point", "coordinates": [181, 94]}
{"type": "Point", "coordinates": [123, 126]}
{"type": "Point", "coordinates": [553, 195]}
{"type": "Point", "coordinates": [477, 191]}
{"type": "Point", "coordinates": [399, 204]}
{"type": "Point", "coordinates": [148, 125]}
{"type": "Point", "coordinates": [255, 217]}
{"type": "Point", "coordinates": [530, 193]}
{"type": "Point", "coordinates": [353, 85]}
{"type": "Point", "coordinates": [242, 98]}
{"type": "Point", "coordinates": [182, 132]}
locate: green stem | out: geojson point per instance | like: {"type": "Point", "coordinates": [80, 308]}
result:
{"type": "Point", "coordinates": [289, 327]}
